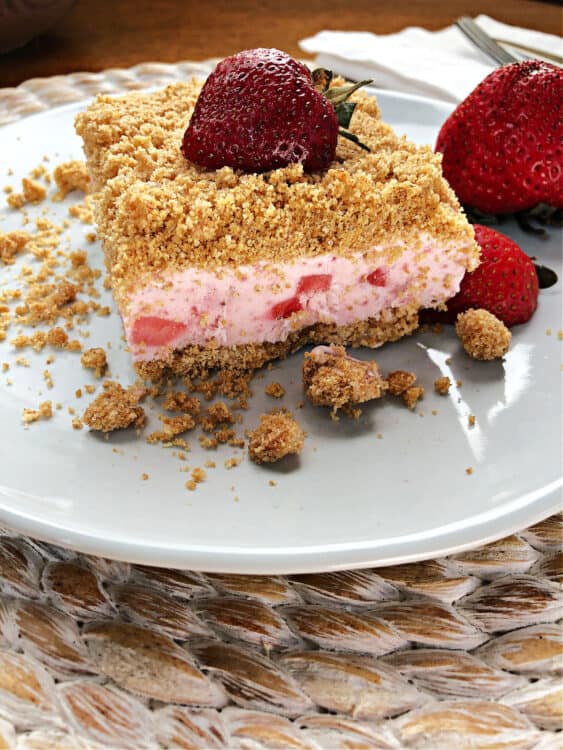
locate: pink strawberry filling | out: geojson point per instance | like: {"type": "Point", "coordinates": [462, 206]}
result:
{"type": "Point", "coordinates": [265, 303]}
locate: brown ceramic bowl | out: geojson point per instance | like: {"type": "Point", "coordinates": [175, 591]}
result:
{"type": "Point", "coordinates": [21, 20]}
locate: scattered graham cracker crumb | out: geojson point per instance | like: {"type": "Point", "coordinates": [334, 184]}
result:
{"type": "Point", "coordinates": [230, 463]}
{"type": "Point", "coordinates": [412, 395]}
{"type": "Point", "coordinates": [44, 411]}
{"type": "Point", "coordinates": [434, 412]}
{"type": "Point", "coordinates": [144, 476]}
{"type": "Point", "coordinates": [442, 385]}
{"type": "Point", "coordinates": [471, 420]}
{"type": "Point", "coordinates": [482, 335]}
{"type": "Point", "coordinates": [215, 415]}
{"type": "Point", "coordinates": [278, 435]}
{"type": "Point", "coordinates": [47, 377]}
{"type": "Point", "coordinates": [181, 401]}
{"type": "Point", "coordinates": [69, 176]}
{"type": "Point", "coordinates": [11, 244]}
{"type": "Point", "coordinates": [400, 381]}
{"type": "Point", "coordinates": [32, 192]}
{"type": "Point", "coordinates": [548, 331]}
{"type": "Point", "coordinates": [95, 359]}
{"type": "Point", "coordinates": [77, 423]}
{"type": "Point", "coordinates": [469, 470]}
{"type": "Point", "coordinates": [191, 485]}
{"type": "Point", "coordinates": [272, 483]}
{"type": "Point", "coordinates": [276, 390]}
{"type": "Point", "coordinates": [5, 366]}
{"type": "Point", "coordinates": [89, 388]}
{"type": "Point", "coordinates": [22, 362]}
{"type": "Point", "coordinates": [198, 474]}
{"type": "Point", "coordinates": [210, 464]}
{"type": "Point", "coordinates": [332, 378]}
{"type": "Point", "coordinates": [459, 383]}
{"type": "Point", "coordinates": [115, 409]}
{"type": "Point", "coordinates": [560, 335]}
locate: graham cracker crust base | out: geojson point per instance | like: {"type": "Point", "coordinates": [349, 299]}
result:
{"type": "Point", "coordinates": [196, 361]}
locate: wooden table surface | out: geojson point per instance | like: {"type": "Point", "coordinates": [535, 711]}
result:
{"type": "Point", "coordinates": [119, 33]}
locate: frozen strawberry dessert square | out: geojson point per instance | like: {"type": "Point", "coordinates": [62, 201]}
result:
{"type": "Point", "coordinates": [224, 267]}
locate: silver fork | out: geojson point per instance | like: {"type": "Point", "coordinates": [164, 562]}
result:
{"type": "Point", "coordinates": [484, 42]}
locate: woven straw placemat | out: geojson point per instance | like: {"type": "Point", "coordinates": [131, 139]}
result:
{"type": "Point", "coordinates": [464, 652]}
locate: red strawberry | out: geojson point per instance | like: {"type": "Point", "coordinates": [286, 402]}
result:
{"type": "Point", "coordinates": [261, 110]}
{"type": "Point", "coordinates": [502, 146]}
{"type": "Point", "coordinates": [505, 283]}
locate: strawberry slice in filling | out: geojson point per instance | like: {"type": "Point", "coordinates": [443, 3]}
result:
{"type": "Point", "coordinates": [153, 331]}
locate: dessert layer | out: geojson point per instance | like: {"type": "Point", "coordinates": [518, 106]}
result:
{"type": "Point", "coordinates": [264, 303]}
{"type": "Point", "coordinates": [193, 361]}
{"type": "Point", "coordinates": [158, 213]}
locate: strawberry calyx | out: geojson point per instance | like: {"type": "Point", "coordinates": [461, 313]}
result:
{"type": "Point", "coordinates": [338, 96]}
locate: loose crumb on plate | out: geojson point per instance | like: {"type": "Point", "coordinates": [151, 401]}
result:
{"type": "Point", "coordinates": [115, 409]}
{"type": "Point", "coordinates": [412, 395]}
{"type": "Point", "coordinates": [44, 411]}
{"type": "Point", "coordinates": [482, 335]}
{"type": "Point", "coordinates": [332, 378]}
{"type": "Point", "coordinates": [69, 176]}
{"type": "Point", "coordinates": [278, 435]}
{"type": "Point", "coordinates": [442, 385]}
{"type": "Point", "coordinates": [400, 381]}
{"type": "Point", "coordinates": [276, 390]}
{"type": "Point", "coordinates": [95, 359]}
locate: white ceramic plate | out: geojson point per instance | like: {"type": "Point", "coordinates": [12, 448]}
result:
{"type": "Point", "coordinates": [352, 499]}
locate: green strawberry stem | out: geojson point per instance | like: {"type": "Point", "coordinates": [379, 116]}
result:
{"type": "Point", "coordinates": [354, 138]}
{"type": "Point", "coordinates": [338, 96]}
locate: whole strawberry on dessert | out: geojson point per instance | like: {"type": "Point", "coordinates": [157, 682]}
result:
{"type": "Point", "coordinates": [505, 283]}
{"type": "Point", "coordinates": [502, 146]}
{"type": "Point", "coordinates": [261, 110]}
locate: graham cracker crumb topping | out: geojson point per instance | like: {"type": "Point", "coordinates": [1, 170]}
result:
{"type": "Point", "coordinates": [155, 211]}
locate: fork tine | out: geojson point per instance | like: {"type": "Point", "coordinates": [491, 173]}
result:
{"type": "Point", "coordinates": [483, 41]}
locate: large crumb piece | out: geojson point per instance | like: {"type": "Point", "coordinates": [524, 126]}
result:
{"type": "Point", "coordinates": [115, 409]}
{"type": "Point", "coordinates": [69, 176]}
{"type": "Point", "coordinates": [96, 360]}
{"type": "Point", "coordinates": [278, 435]}
{"type": "Point", "coordinates": [12, 243]}
{"type": "Point", "coordinates": [442, 385]}
{"type": "Point", "coordinates": [332, 378]}
{"type": "Point", "coordinates": [45, 411]}
{"type": "Point", "coordinates": [400, 381]}
{"type": "Point", "coordinates": [482, 335]}
{"type": "Point", "coordinates": [412, 396]}
{"type": "Point", "coordinates": [275, 390]}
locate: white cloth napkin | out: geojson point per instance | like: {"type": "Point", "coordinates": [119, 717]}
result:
{"type": "Point", "coordinates": [441, 64]}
